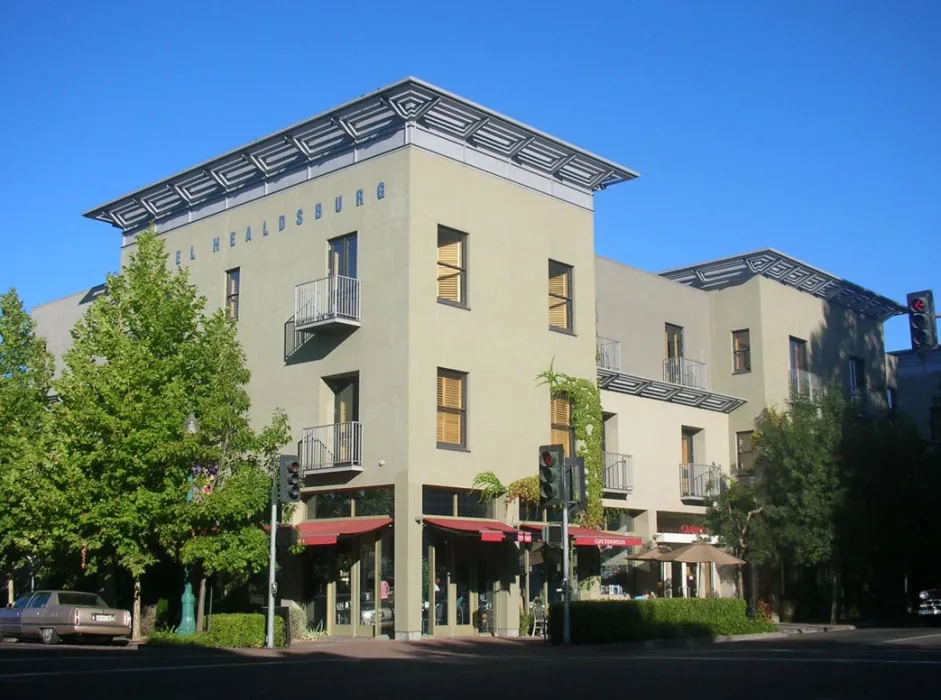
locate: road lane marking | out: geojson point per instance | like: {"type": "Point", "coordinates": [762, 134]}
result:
{"type": "Point", "coordinates": [909, 639]}
{"type": "Point", "coordinates": [27, 659]}
{"type": "Point", "coordinates": [185, 667]}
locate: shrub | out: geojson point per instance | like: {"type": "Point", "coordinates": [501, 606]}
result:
{"type": "Point", "coordinates": [233, 631]}
{"type": "Point", "coordinates": [601, 621]}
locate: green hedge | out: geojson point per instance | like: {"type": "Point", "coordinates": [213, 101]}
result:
{"type": "Point", "coordinates": [601, 621]}
{"type": "Point", "coordinates": [232, 631]}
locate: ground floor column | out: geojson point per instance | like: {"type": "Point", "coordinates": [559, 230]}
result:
{"type": "Point", "coordinates": [508, 601]}
{"type": "Point", "coordinates": [408, 559]}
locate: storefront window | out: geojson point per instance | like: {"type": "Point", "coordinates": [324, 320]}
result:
{"type": "Point", "coordinates": [530, 512]}
{"type": "Point", "coordinates": [329, 504]}
{"type": "Point", "coordinates": [344, 583]}
{"type": "Point", "coordinates": [367, 584]}
{"type": "Point", "coordinates": [318, 566]}
{"type": "Point", "coordinates": [469, 505]}
{"type": "Point", "coordinates": [436, 501]}
{"type": "Point", "coordinates": [387, 583]}
{"type": "Point", "coordinates": [379, 501]}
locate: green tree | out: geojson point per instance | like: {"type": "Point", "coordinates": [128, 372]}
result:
{"type": "Point", "coordinates": [32, 480]}
{"type": "Point", "coordinates": [144, 356]}
{"type": "Point", "coordinates": [798, 453]}
{"type": "Point", "coordinates": [739, 520]}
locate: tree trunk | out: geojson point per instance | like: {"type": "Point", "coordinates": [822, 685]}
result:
{"type": "Point", "coordinates": [10, 591]}
{"type": "Point", "coordinates": [135, 615]}
{"type": "Point", "coordinates": [835, 597]}
{"type": "Point", "coordinates": [740, 581]}
{"type": "Point", "coordinates": [201, 602]}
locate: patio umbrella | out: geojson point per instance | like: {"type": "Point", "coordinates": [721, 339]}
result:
{"type": "Point", "coordinates": [703, 553]}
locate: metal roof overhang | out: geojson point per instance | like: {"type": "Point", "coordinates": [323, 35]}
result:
{"type": "Point", "coordinates": [408, 101]}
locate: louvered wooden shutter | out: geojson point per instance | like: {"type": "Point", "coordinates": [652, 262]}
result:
{"type": "Point", "coordinates": [561, 418]}
{"type": "Point", "coordinates": [450, 396]}
{"type": "Point", "coordinates": [558, 307]}
{"type": "Point", "coordinates": [449, 279]}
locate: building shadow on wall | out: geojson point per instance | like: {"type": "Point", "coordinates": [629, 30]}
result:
{"type": "Point", "coordinates": [308, 347]}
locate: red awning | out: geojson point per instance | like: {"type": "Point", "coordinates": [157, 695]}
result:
{"type": "Point", "coordinates": [316, 532]}
{"type": "Point", "coordinates": [586, 537]}
{"type": "Point", "coordinates": [489, 530]}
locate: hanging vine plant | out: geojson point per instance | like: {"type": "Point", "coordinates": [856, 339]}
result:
{"type": "Point", "coordinates": [587, 424]}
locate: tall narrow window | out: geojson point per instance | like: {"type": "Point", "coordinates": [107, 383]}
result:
{"type": "Point", "coordinates": [741, 352]}
{"type": "Point", "coordinates": [452, 396]}
{"type": "Point", "coordinates": [560, 296]}
{"type": "Point", "coordinates": [232, 293]}
{"type": "Point", "coordinates": [341, 256]}
{"type": "Point", "coordinates": [452, 266]}
{"type": "Point", "coordinates": [563, 432]}
{"type": "Point", "coordinates": [746, 453]}
{"type": "Point", "coordinates": [674, 341]}
{"type": "Point", "coordinates": [686, 445]}
{"type": "Point", "coordinates": [857, 378]}
{"type": "Point", "coordinates": [798, 353]}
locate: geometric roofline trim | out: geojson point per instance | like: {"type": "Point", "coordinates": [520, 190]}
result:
{"type": "Point", "coordinates": [791, 272]}
{"type": "Point", "coordinates": [407, 102]}
{"type": "Point", "coordinates": [635, 385]}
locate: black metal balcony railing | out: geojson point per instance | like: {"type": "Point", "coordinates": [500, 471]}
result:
{"type": "Point", "coordinates": [334, 299]}
{"type": "Point", "coordinates": [331, 446]}
{"type": "Point", "coordinates": [700, 481]}
{"type": "Point", "coordinates": [618, 472]}
{"type": "Point", "coordinates": [685, 372]}
{"type": "Point", "coordinates": [609, 354]}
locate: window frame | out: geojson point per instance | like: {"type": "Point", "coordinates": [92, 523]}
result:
{"type": "Point", "coordinates": [675, 331]}
{"type": "Point", "coordinates": [461, 268]}
{"type": "Point", "coordinates": [232, 298]}
{"type": "Point", "coordinates": [568, 300]}
{"type": "Point", "coordinates": [462, 411]}
{"type": "Point", "coordinates": [856, 380]}
{"type": "Point", "coordinates": [569, 446]}
{"type": "Point", "coordinates": [739, 452]}
{"type": "Point", "coordinates": [739, 352]}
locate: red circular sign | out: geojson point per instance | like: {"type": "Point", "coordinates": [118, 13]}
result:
{"type": "Point", "coordinates": [918, 305]}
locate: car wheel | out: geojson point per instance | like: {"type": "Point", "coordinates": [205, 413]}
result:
{"type": "Point", "coordinates": [48, 636]}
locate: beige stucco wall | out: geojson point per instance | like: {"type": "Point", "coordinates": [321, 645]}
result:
{"type": "Point", "coordinates": [650, 431]}
{"type": "Point", "coordinates": [773, 313]}
{"type": "Point", "coordinates": [633, 308]}
{"type": "Point", "coordinates": [55, 320]}
{"type": "Point", "coordinates": [271, 266]}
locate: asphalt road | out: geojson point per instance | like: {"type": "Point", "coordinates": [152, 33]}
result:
{"type": "Point", "coordinates": [883, 663]}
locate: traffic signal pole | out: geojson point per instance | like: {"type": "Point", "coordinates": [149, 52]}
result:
{"type": "Point", "coordinates": [566, 590]}
{"type": "Point", "coordinates": [269, 636]}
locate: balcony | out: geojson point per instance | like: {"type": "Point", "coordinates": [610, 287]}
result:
{"type": "Point", "coordinates": [699, 482]}
{"type": "Point", "coordinates": [618, 473]}
{"type": "Point", "coordinates": [609, 354]}
{"type": "Point", "coordinates": [805, 384]}
{"type": "Point", "coordinates": [329, 303]}
{"type": "Point", "coordinates": [337, 447]}
{"type": "Point", "coordinates": [684, 372]}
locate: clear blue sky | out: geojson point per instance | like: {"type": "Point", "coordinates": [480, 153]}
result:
{"type": "Point", "coordinates": [811, 126]}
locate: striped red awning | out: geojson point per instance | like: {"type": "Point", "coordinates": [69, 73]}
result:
{"type": "Point", "coordinates": [320, 532]}
{"type": "Point", "coordinates": [489, 530]}
{"type": "Point", "coordinates": [586, 537]}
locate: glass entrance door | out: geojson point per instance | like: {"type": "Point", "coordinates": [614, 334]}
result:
{"type": "Point", "coordinates": [462, 591]}
{"type": "Point", "coordinates": [342, 256]}
{"type": "Point", "coordinates": [353, 588]}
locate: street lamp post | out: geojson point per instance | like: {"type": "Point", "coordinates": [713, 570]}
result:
{"type": "Point", "coordinates": [188, 623]}
{"type": "Point", "coordinates": [751, 611]}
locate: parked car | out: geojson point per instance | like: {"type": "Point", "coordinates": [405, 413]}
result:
{"type": "Point", "coordinates": [53, 615]}
{"type": "Point", "coordinates": [929, 607]}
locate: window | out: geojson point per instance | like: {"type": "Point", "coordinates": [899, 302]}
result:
{"type": "Point", "coordinates": [563, 433]}
{"type": "Point", "coordinates": [741, 352]}
{"type": "Point", "coordinates": [686, 445]}
{"type": "Point", "coordinates": [452, 431]}
{"type": "Point", "coordinates": [341, 256]}
{"type": "Point", "coordinates": [890, 398]}
{"type": "Point", "coordinates": [438, 500]}
{"type": "Point", "coordinates": [452, 268]}
{"type": "Point", "coordinates": [798, 354]}
{"type": "Point", "coordinates": [674, 341]}
{"type": "Point", "coordinates": [857, 378]}
{"type": "Point", "coordinates": [232, 293]}
{"type": "Point", "coordinates": [746, 453]}
{"type": "Point", "coordinates": [560, 296]}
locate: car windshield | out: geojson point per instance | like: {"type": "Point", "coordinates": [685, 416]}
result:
{"type": "Point", "coordinates": [82, 600]}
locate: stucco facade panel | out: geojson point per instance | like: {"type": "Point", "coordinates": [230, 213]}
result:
{"type": "Point", "coordinates": [634, 307]}
{"type": "Point", "coordinates": [650, 431]}
{"type": "Point", "coordinates": [271, 266]}
{"type": "Point", "coordinates": [503, 341]}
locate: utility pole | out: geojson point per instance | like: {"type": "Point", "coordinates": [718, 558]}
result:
{"type": "Point", "coordinates": [566, 596]}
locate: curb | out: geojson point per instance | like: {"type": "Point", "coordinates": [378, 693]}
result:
{"type": "Point", "coordinates": [814, 629]}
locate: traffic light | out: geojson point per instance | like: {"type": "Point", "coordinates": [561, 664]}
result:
{"type": "Point", "coordinates": [290, 480]}
{"type": "Point", "coordinates": [577, 486]}
{"type": "Point", "coordinates": [923, 326]}
{"type": "Point", "coordinates": [551, 471]}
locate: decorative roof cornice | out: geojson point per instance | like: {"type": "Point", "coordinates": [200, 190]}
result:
{"type": "Point", "coordinates": [374, 115]}
{"type": "Point", "coordinates": [729, 272]}
{"type": "Point", "coordinates": [635, 385]}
